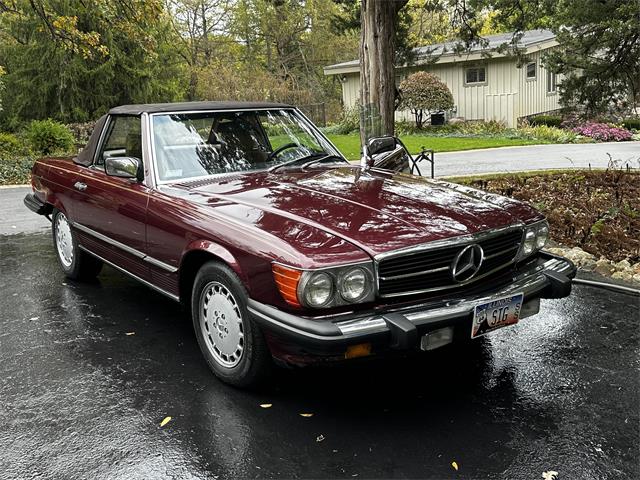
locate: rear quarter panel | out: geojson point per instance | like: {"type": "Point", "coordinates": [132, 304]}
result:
{"type": "Point", "coordinates": [52, 179]}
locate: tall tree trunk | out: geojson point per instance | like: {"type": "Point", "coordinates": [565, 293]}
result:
{"type": "Point", "coordinates": [377, 66]}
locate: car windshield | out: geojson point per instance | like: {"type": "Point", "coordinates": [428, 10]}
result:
{"type": "Point", "coordinates": [207, 143]}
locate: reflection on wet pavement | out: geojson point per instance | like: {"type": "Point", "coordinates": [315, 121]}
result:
{"type": "Point", "coordinates": [88, 372]}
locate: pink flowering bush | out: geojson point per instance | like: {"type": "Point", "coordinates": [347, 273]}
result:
{"type": "Point", "coordinates": [603, 132]}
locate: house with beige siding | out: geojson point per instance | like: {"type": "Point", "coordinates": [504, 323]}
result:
{"type": "Point", "coordinates": [486, 84]}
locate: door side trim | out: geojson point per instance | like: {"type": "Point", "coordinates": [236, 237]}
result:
{"type": "Point", "coordinates": [126, 248]}
{"type": "Point", "coordinates": [135, 277]}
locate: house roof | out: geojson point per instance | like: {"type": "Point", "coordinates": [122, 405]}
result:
{"type": "Point", "coordinates": [446, 54]}
{"type": "Point", "coordinates": [191, 107]}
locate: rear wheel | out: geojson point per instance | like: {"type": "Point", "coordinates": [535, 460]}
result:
{"type": "Point", "coordinates": [75, 263]}
{"type": "Point", "coordinates": [230, 341]}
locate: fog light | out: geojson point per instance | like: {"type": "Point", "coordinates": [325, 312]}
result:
{"type": "Point", "coordinates": [359, 350]}
{"type": "Point", "coordinates": [436, 339]}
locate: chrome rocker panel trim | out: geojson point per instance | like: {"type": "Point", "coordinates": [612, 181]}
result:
{"type": "Point", "coordinates": [126, 248]}
{"type": "Point", "coordinates": [135, 277]}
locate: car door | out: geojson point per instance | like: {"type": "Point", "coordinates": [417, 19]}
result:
{"type": "Point", "coordinates": [110, 212]}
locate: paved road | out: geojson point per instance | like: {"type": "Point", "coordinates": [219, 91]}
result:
{"type": "Point", "coordinates": [15, 217]}
{"type": "Point", "coordinates": [88, 372]}
{"type": "Point", "coordinates": [535, 157]}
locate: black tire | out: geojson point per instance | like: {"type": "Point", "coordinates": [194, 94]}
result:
{"type": "Point", "coordinates": [81, 265]}
{"type": "Point", "coordinates": [254, 363]}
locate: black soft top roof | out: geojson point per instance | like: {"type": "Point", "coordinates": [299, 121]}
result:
{"type": "Point", "coordinates": [191, 106]}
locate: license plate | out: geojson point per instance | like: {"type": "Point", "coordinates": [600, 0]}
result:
{"type": "Point", "coordinates": [496, 314]}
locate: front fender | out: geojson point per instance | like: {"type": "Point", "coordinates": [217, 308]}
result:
{"type": "Point", "coordinates": [216, 250]}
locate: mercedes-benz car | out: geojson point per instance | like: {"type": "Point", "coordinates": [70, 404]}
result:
{"type": "Point", "coordinates": [279, 248]}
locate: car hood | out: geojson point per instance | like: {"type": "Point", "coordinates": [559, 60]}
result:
{"type": "Point", "coordinates": [377, 211]}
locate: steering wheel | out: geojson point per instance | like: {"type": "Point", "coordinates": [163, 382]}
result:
{"type": "Point", "coordinates": [281, 149]}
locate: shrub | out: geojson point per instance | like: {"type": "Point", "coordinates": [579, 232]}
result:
{"type": "Point", "coordinates": [48, 136]}
{"type": "Point", "coordinates": [491, 127]}
{"type": "Point", "coordinates": [547, 134]}
{"type": "Point", "coordinates": [9, 144]}
{"type": "Point", "coordinates": [603, 132]}
{"type": "Point", "coordinates": [460, 129]}
{"type": "Point", "coordinates": [424, 92]}
{"type": "Point", "coordinates": [547, 120]}
{"type": "Point", "coordinates": [349, 122]}
{"type": "Point", "coordinates": [81, 131]}
{"type": "Point", "coordinates": [631, 123]}
{"type": "Point", "coordinates": [15, 170]}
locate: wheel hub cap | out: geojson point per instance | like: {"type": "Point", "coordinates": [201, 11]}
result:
{"type": "Point", "coordinates": [221, 324]}
{"type": "Point", "coordinates": [64, 242]}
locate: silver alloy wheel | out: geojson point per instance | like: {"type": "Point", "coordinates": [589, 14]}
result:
{"type": "Point", "coordinates": [64, 240]}
{"type": "Point", "coordinates": [221, 324]}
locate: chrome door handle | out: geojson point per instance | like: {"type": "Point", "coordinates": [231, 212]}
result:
{"type": "Point", "coordinates": [80, 186]}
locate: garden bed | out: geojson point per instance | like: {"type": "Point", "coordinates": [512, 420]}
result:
{"type": "Point", "coordinates": [596, 210]}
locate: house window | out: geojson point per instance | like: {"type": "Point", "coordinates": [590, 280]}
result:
{"type": "Point", "coordinates": [531, 71]}
{"type": "Point", "coordinates": [552, 82]}
{"type": "Point", "coordinates": [475, 75]}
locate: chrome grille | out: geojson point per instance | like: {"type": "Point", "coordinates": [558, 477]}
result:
{"type": "Point", "coordinates": [428, 268]}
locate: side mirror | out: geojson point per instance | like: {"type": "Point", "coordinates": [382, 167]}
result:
{"type": "Point", "coordinates": [124, 167]}
{"type": "Point", "coordinates": [378, 145]}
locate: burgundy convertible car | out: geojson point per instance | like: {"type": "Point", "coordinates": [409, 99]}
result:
{"type": "Point", "coordinates": [280, 248]}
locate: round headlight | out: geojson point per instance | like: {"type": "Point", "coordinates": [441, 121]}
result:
{"type": "Point", "coordinates": [353, 285]}
{"type": "Point", "coordinates": [529, 242]}
{"type": "Point", "coordinates": [318, 290]}
{"type": "Point", "coordinates": [542, 236]}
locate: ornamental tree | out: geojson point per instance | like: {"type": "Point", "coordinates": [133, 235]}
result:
{"type": "Point", "coordinates": [422, 93]}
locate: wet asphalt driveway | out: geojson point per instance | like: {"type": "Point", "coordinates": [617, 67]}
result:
{"type": "Point", "coordinates": [88, 372]}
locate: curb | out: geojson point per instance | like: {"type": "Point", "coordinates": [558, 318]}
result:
{"type": "Point", "coordinates": [22, 185]}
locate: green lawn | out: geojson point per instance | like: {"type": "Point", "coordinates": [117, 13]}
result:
{"type": "Point", "coordinates": [349, 145]}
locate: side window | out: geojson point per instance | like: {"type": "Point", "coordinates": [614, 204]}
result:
{"type": "Point", "coordinates": [122, 139]}
{"type": "Point", "coordinates": [475, 76]}
{"type": "Point", "coordinates": [552, 82]}
{"type": "Point", "coordinates": [531, 71]}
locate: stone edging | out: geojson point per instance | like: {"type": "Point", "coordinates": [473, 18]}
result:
{"type": "Point", "coordinates": [622, 270]}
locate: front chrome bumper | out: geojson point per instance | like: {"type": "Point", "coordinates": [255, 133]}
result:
{"type": "Point", "coordinates": [400, 327]}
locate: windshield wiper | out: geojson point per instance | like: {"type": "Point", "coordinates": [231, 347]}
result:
{"type": "Point", "coordinates": [307, 159]}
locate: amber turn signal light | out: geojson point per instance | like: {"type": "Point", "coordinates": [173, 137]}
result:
{"type": "Point", "coordinates": [359, 350]}
{"type": "Point", "coordinates": [287, 280]}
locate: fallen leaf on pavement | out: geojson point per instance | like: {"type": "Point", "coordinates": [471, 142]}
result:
{"type": "Point", "coordinates": [454, 465]}
{"type": "Point", "coordinates": [130, 333]}
{"type": "Point", "coordinates": [550, 475]}
{"type": "Point", "coordinates": [266, 405]}
{"type": "Point", "coordinates": [319, 438]}
{"type": "Point", "coordinates": [165, 421]}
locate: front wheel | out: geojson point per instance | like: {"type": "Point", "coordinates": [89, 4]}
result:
{"type": "Point", "coordinates": [76, 264]}
{"type": "Point", "coordinates": [230, 341]}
